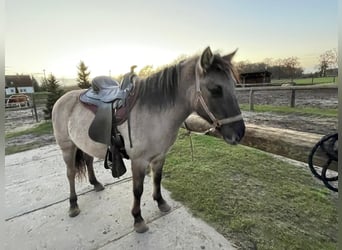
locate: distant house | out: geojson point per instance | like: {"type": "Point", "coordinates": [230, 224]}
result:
{"type": "Point", "coordinates": [256, 77]}
{"type": "Point", "coordinates": [18, 84]}
{"type": "Point", "coordinates": [332, 72]}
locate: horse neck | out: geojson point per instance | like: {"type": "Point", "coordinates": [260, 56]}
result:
{"type": "Point", "coordinates": [182, 105]}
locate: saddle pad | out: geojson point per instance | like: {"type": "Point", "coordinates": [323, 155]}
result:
{"type": "Point", "coordinates": [105, 95]}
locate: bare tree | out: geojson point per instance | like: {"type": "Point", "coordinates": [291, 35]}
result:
{"type": "Point", "coordinates": [269, 62]}
{"type": "Point", "coordinates": [291, 63]}
{"type": "Point", "coordinates": [278, 65]}
{"type": "Point", "coordinates": [327, 60]}
{"type": "Point", "coordinates": [242, 66]}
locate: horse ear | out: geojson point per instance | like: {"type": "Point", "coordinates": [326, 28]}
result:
{"type": "Point", "coordinates": [230, 56]}
{"type": "Point", "coordinates": [206, 59]}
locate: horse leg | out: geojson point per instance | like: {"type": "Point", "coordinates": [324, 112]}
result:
{"type": "Point", "coordinates": [157, 170]}
{"type": "Point", "coordinates": [138, 173]}
{"type": "Point", "coordinates": [69, 159]}
{"type": "Point", "coordinates": [91, 174]}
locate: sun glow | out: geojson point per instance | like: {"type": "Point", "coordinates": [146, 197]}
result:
{"type": "Point", "coordinates": [112, 60]}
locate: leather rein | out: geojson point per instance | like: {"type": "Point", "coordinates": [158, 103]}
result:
{"type": "Point", "coordinates": [215, 122]}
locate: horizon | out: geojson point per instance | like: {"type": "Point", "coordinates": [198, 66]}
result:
{"type": "Point", "coordinates": [110, 36]}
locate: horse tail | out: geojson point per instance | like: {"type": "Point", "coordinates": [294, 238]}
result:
{"type": "Point", "coordinates": [80, 165]}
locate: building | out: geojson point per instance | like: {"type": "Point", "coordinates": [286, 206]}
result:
{"type": "Point", "coordinates": [15, 84]}
{"type": "Point", "coordinates": [256, 77]}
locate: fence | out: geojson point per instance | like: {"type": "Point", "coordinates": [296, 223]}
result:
{"type": "Point", "coordinates": [293, 90]}
{"type": "Point", "coordinates": [35, 100]}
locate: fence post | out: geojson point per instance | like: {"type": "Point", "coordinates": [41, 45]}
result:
{"type": "Point", "coordinates": [293, 98]}
{"type": "Point", "coordinates": [251, 100]}
{"type": "Point", "coordinates": [34, 107]}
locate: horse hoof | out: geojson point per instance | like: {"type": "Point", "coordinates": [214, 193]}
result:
{"type": "Point", "coordinates": [98, 187]}
{"type": "Point", "coordinates": [141, 227]}
{"type": "Point", "coordinates": [164, 207]}
{"type": "Point", "coordinates": [74, 211]}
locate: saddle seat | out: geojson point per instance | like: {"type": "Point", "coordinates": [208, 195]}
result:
{"type": "Point", "coordinates": [106, 90]}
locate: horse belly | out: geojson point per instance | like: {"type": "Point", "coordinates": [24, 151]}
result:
{"type": "Point", "coordinates": [151, 136]}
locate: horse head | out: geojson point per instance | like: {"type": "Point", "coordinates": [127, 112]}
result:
{"type": "Point", "coordinates": [216, 101]}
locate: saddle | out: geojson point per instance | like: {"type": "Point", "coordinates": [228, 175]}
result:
{"type": "Point", "coordinates": [111, 102]}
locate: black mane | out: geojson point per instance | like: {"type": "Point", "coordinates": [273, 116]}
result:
{"type": "Point", "coordinates": [160, 89]}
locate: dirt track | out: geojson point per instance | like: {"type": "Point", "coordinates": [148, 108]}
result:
{"type": "Point", "coordinates": [304, 98]}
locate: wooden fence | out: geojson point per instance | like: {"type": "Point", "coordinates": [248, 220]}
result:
{"type": "Point", "coordinates": [293, 90]}
{"type": "Point", "coordinates": [36, 99]}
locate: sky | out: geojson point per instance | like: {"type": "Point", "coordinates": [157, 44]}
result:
{"type": "Point", "coordinates": [109, 36]}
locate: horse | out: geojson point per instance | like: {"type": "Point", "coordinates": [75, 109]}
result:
{"type": "Point", "coordinates": [203, 83]}
{"type": "Point", "coordinates": [19, 100]}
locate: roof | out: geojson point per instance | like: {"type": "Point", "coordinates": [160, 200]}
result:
{"type": "Point", "coordinates": [18, 81]}
{"type": "Point", "coordinates": [256, 74]}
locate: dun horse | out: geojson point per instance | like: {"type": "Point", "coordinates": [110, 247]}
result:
{"type": "Point", "coordinates": [204, 84]}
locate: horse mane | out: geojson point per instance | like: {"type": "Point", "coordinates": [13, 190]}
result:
{"type": "Point", "coordinates": [226, 66]}
{"type": "Point", "coordinates": [159, 90]}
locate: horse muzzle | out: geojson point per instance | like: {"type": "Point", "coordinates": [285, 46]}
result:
{"type": "Point", "coordinates": [233, 133]}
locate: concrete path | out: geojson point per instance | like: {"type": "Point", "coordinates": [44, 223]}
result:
{"type": "Point", "coordinates": [37, 204]}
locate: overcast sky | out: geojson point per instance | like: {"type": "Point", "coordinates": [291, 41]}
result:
{"type": "Point", "coordinates": [110, 35]}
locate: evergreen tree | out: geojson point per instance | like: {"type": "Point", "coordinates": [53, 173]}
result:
{"type": "Point", "coordinates": [83, 76]}
{"type": "Point", "coordinates": [43, 86]}
{"type": "Point", "coordinates": [35, 85]}
{"type": "Point", "coordinates": [55, 91]}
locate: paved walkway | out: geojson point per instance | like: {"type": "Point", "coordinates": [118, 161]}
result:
{"type": "Point", "coordinates": [37, 203]}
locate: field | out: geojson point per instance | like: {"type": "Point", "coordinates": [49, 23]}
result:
{"type": "Point", "coordinates": [256, 200]}
{"type": "Point", "coordinates": [307, 81]}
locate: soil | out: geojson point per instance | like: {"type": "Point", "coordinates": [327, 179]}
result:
{"type": "Point", "coordinates": [305, 98]}
{"type": "Point", "coordinates": [24, 118]}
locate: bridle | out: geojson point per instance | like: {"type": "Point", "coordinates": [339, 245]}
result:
{"type": "Point", "coordinates": [215, 122]}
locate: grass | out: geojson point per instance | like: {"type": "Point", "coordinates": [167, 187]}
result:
{"type": "Point", "coordinates": [307, 81]}
{"type": "Point", "coordinates": [298, 110]}
{"type": "Point", "coordinates": [22, 147]}
{"type": "Point", "coordinates": [253, 199]}
{"type": "Point", "coordinates": [42, 129]}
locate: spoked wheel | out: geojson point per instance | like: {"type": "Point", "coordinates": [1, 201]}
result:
{"type": "Point", "coordinates": [328, 145]}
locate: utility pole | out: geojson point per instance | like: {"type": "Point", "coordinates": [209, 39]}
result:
{"type": "Point", "coordinates": [44, 75]}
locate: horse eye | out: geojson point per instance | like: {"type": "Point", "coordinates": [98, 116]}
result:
{"type": "Point", "coordinates": [215, 91]}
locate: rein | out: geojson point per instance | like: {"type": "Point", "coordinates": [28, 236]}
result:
{"type": "Point", "coordinates": [215, 122]}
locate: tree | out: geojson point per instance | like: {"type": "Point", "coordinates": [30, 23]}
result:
{"type": "Point", "coordinates": [43, 86]}
{"type": "Point", "coordinates": [35, 85]}
{"type": "Point", "coordinates": [291, 64]}
{"type": "Point", "coordinates": [146, 71]}
{"type": "Point", "coordinates": [55, 91]}
{"type": "Point", "coordinates": [327, 60]}
{"type": "Point", "coordinates": [83, 76]}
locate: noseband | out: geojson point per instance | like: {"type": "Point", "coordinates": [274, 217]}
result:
{"type": "Point", "coordinates": [215, 122]}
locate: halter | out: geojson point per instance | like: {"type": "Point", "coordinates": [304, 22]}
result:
{"type": "Point", "coordinates": [215, 122]}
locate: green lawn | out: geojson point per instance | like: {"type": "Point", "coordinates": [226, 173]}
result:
{"type": "Point", "coordinates": [286, 109]}
{"type": "Point", "coordinates": [40, 129]}
{"type": "Point", "coordinates": [255, 200]}
{"type": "Point", "coordinates": [304, 81]}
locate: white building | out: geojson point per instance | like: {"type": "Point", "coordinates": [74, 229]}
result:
{"type": "Point", "coordinates": [18, 84]}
